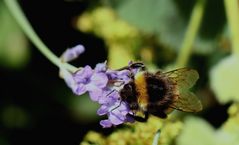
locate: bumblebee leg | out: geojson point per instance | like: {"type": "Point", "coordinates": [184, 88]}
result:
{"type": "Point", "coordinates": [139, 118]}
{"type": "Point", "coordinates": [116, 107]}
{"type": "Point", "coordinates": [159, 114]}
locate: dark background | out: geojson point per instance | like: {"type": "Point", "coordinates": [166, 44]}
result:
{"type": "Point", "coordinates": [37, 88]}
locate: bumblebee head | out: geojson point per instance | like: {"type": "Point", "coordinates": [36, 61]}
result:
{"type": "Point", "coordinates": [129, 95]}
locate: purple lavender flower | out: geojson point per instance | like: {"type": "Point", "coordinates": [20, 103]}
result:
{"type": "Point", "coordinates": [72, 53]}
{"type": "Point", "coordinates": [67, 56]}
{"type": "Point", "coordinates": [117, 111]}
{"type": "Point", "coordinates": [91, 81]}
{"type": "Point", "coordinates": [103, 86]}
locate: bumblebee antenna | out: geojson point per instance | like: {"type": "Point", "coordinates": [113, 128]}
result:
{"type": "Point", "coordinates": [137, 65]}
{"type": "Point", "coordinates": [134, 65]}
{"type": "Point", "coordinates": [110, 92]}
{"type": "Point", "coordinates": [117, 105]}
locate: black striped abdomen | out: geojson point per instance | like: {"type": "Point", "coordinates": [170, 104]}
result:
{"type": "Point", "coordinates": [156, 87]}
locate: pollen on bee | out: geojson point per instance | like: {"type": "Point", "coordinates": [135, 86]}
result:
{"type": "Point", "coordinates": [141, 89]}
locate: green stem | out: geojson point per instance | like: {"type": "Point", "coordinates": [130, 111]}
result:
{"type": "Point", "coordinates": [190, 34]}
{"type": "Point", "coordinates": [156, 138]}
{"type": "Point", "coordinates": [232, 11]}
{"type": "Point", "coordinates": [17, 13]}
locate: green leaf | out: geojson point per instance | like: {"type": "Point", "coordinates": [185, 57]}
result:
{"type": "Point", "coordinates": [224, 79]}
{"type": "Point", "coordinates": [168, 20]}
{"type": "Point", "coordinates": [196, 131]}
{"type": "Point", "coordinates": [152, 15]}
{"type": "Point", "coordinates": [14, 51]}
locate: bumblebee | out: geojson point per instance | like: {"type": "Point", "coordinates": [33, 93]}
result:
{"type": "Point", "coordinates": [160, 93]}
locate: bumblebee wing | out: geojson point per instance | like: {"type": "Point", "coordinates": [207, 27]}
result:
{"type": "Point", "coordinates": [185, 78]}
{"type": "Point", "coordinates": [187, 102]}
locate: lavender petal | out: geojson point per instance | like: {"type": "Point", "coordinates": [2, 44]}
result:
{"type": "Point", "coordinates": [115, 119]}
{"type": "Point", "coordinates": [72, 53]}
{"type": "Point", "coordinates": [106, 123]}
{"type": "Point", "coordinates": [80, 89]}
{"type": "Point", "coordinates": [94, 92]}
{"type": "Point", "coordinates": [99, 79]}
{"type": "Point", "coordinates": [101, 67]}
{"type": "Point", "coordinates": [123, 108]}
{"type": "Point", "coordinates": [83, 75]}
{"type": "Point", "coordinates": [102, 110]}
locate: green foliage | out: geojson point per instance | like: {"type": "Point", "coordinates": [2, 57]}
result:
{"type": "Point", "coordinates": [14, 117]}
{"type": "Point", "coordinates": [229, 132]}
{"type": "Point", "coordinates": [225, 79]}
{"type": "Point", "coordinates": [168, 20]}
{"type": "Point", "coordinates": [162, 25]}
{"type": "Point", "coordinates": [14, 52]}
{"type": "Point", "coordinates": [138, 134]}
{"type": "Point", "coordinates": [196, 131]}
{"type": "Point", "coordinates": [82, 108]}
{"type": "Point", "coordinates": [121, 38]}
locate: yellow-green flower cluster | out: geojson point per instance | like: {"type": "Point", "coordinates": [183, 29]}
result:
{"type": "Point", "coordinates": [138, 133]}
{"type": "Point", "coordinates": [121, 38]}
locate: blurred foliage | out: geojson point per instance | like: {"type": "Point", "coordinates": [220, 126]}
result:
{"type": "Point", "coordinates": [193, 131]}
{"type": "Point", "coordinates": [229, 132]}
{"type": "Point", "coordinates": [82, 108]}
{"type": "Point", "coordinates": [138, 133]}
{"type": "Point", "coordinates": [224, 79]}
{"type": "Point", "coordinates": [121, 38]}
{"type": "Point", "coordinates": [3, 141]}
{"type": "Point", "coordinates": [167, 20]}
{"type": "Point", "coordinates": [197, 131]}
{"type": "Point", "coordinates": [153, 31]}
{"type": "Point", "coordinates": [14, 51]}
{"type": "Point", "coordinates": [14, 117]}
